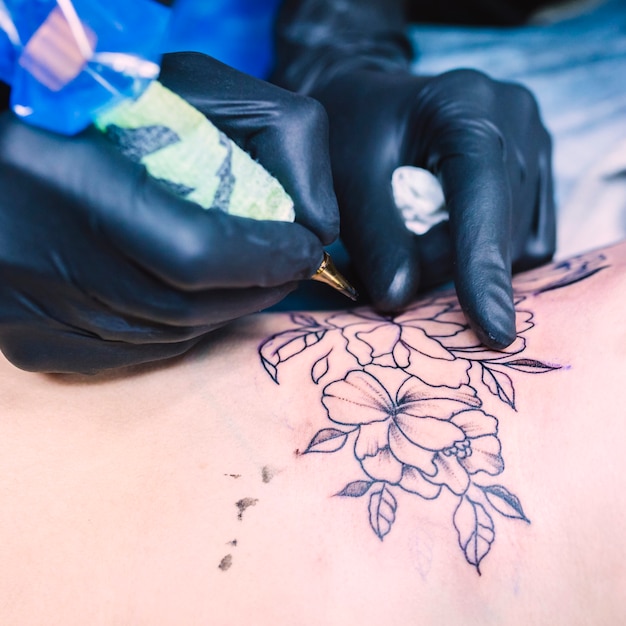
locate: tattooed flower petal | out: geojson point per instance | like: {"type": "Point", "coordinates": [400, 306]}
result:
{"type": "Point", "coordinates": [423, 314]}
{"type": "Point", "coordinates": [409, 453]}
{"type": "Point", "coordinates": [413, 388]}
{"type": "Point", "coordinates": [391, 378]}
{"type": "Point", "coordinates": [439, 372]}
{"type": "Point", "coordinates": [386, 360]}
{"type": "Point", "coordinates": [421, 342]}
{"type": "Point", "coordinates": [417, 398]}
{"type": "Point", "coordinates": [352, 326]}
{"type": "Point", "coordinates": [357, 399]}
{"type": "Point", "coordinates": [465, 340]}
{"type": "Point", "coordinates": [413, 481]}
{"type": "Point", "coordinates": [428, 432]}
{"type": "Point", "coordinates": [450, 473]}
{"type": "Point", "coordinates": [372, 438]}
{"type": "Point", "coordinates": [383, 466]}
{"type": "Point", "coordinates": [401, 355]}
{"type": "Point", "coordinates": [523, 321]}
{"type": "Point", "coordinates": [361, 350]}
{"type": "Point", "coordinates": [382, 338]}
{"type": "Point", "coordinates": [486, 456]}
{"type": "Point", "coordinates": [476, 423]}
{"type": "Point", "coordinates": [439, 408]}
{"type": "Point", "coordinates": [440, 327]}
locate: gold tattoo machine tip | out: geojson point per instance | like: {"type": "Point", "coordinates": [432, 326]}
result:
{"type": "Point", "coordinates": [329, 274]}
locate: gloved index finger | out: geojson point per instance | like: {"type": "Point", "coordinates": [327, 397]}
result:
{"type": "Point", "coordinates": [192, 248]}
{"type": "Point", "coordinates": [177, 240]}
{"type": "Point", "coordinates": [478, 197]}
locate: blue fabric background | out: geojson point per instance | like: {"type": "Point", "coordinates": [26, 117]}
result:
{"type": "Point", "coordinates": [237, 32]}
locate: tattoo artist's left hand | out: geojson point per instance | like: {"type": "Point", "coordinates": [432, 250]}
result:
{"type": "Point", "coordinates": [485, 142]}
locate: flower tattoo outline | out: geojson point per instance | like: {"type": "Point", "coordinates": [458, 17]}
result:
{"type": "Point", "coordinates": [411, 402]}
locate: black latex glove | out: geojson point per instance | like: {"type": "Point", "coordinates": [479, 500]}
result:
{"type": "Point", "coordinates": [483, 139]}
{"type": "Point", "coordinates": [102, 266]}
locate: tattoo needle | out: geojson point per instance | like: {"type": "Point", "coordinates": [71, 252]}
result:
{"type": "Point", "coordinates": [329, 274]}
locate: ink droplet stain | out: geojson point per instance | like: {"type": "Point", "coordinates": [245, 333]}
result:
{"type": "Point", "coordinates": [243, 504]}
{"type": "Point", "coordinates": [232, 543]}
{"type": "Point", "coordinates": [226, 562]}
{"type": "Point", "coordinates": [267, 473]}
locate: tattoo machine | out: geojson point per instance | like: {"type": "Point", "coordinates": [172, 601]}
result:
{"type": "Point", "coordinates": [71, 63]}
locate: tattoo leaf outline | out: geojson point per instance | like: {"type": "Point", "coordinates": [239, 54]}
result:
{"type": "Point", "coordinates": [503, 501]}
{"type": "Point", "coordinates": [356, 489]}
{"type": "Point", "coordinates": [327, 440]}
{"type": "Point", "coordinates": [475, 530]}
{"type": "Point", "coordinates": [531, 366]}
{"type": "Point", "coordinates": [289, 343]}
{"type": "Point", "coordinates": [499, 384]}
{"type": "Point", "coordinates": [382, 510]}
{"type": "Point", "coordinates": [320, 368]}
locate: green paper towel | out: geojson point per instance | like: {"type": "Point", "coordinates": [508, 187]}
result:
{"type": "Point", "coordinates": [179, 146]}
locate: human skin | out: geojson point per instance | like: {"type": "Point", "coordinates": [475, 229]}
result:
{"type": "Point", "coordinates": [201, 491]}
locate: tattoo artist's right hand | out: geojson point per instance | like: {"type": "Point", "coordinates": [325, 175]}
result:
{"type": "Point", "coordinates": [101, 266]}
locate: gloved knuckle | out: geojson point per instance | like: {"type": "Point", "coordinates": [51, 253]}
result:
{"type": "Point", "coordinates": [306, 115]}
{"type": "Point", "coordinates": [190, 258]}
{"type": "Point", "coordinates": [189, 270]}
{"type": "Point", "coordinates": [465, 94]}
{"type": "Point", "coordinates": [523, 103]}
{"type": "Point", "coordinates": [462, 78]}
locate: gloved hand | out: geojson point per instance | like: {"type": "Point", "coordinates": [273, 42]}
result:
{"type": "Point", "coordinates": [483, 139]}
{"type": "Point", "coordinates": [102, 266]}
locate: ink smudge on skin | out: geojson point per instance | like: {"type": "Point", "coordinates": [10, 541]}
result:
{"type": "Point", "coordinates": [233, 475]}
{"type": "Point", "coordinates": [226, 562]}
{"type": "Point", "coordinates": [243, 504]}
{"type": "Point", "coordinates": [232, 543]}
{"type": "Point", "coordinates": [267, 473]}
